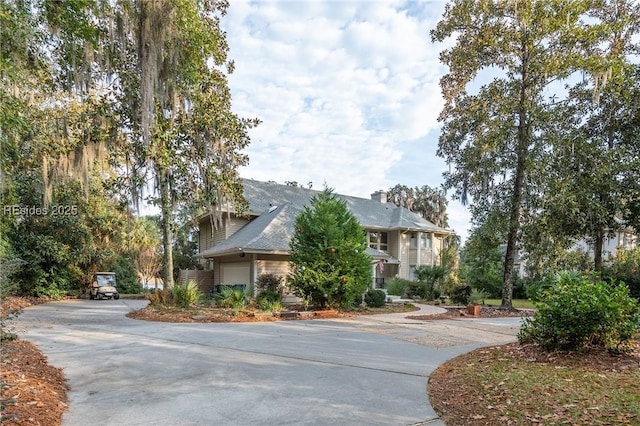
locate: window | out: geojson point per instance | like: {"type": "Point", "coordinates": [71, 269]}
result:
{"type": "Point", "coordinates": [378, 241]}
{"type": "Point", "coordinates": [425, 240]}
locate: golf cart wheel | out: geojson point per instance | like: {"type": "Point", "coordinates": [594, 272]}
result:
{"type": "Point", "coordinates": [117, 296]}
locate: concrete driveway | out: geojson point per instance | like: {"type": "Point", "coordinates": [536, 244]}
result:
{"type": "Point", "coordinates": [369, 370]}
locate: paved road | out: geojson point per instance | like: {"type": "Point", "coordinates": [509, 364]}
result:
{"type": "Point", "coordinates": [369, 370]}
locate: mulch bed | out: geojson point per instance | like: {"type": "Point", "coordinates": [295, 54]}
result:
{"type": "Point", "coordinates": [31, 391]}
{"type": "Point", "coordinates": [485, 312]}
{"type": "Point", "coordinates": [460, 401]}
{"type": "Point", "coordinates": [205, 315]}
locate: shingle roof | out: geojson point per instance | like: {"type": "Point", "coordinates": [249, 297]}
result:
{"type": "Point", "coordinates": [277, 206]}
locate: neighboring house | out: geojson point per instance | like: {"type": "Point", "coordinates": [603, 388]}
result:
{"type": "Point", "coordinates": [242, 248]}
{"type": "Point", "coordinates": [624, 238]}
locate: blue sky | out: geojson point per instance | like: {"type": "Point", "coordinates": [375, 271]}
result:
{"type": "Point", "coordinates": [347, 92]}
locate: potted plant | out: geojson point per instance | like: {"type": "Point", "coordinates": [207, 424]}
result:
{"type": "Point", "coordinates": [476, 300]}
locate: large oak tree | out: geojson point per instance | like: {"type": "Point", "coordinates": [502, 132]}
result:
{"type": "Point", "coordinates": [503, 64]}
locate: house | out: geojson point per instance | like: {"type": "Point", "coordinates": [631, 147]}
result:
{"type": "Point", "coordinates": [240, 249]}
{"type": "Point", "coordinates": [622, 238]}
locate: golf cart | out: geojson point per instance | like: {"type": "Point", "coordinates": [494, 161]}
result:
{"type": "Point", "coordinates": [103, 286]}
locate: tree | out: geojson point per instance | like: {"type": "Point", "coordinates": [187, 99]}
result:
{"type": "Point", "coordinates": [481, 261]}
{"type": "Point", "coordinates": [494, 136]}
{"type": "Point", "coordinates": [177, 103]}
{"type": "Point", "coordinates": [127, 90]}
{"type": "Point", "coordinates": [329, 262]}
{"type": "Point", "coordinates": [428, 202]}
{"type": "Point", "coordinates": [590, 184]}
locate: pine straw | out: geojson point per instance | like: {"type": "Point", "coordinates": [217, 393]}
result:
{"type": "Point", "coordinates": [31, 391]}
{"type": "Point", "coordinates": [522, 385]}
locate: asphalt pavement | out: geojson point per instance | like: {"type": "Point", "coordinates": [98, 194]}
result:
{"type": "Point", "coordinates": [366, 370]}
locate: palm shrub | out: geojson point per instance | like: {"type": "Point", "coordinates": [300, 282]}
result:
{"type": "Point", "coordinates": [231, 298]}
{"type": "Point", "coordinates": [578, 312]}
{"type": "Point", "coordinates": [187, 294]}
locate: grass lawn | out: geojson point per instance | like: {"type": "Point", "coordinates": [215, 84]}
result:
{"type": "Point", "coordinates": [522, 385]}
{"type": "Point", "coordinates": [517, 303]}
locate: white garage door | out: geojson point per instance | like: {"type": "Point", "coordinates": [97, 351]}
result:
{"type": "Point", "coordinates": [235, 273]}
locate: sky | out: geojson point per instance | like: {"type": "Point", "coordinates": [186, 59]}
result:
{"type": "Point", "coordinates": [347, 91]}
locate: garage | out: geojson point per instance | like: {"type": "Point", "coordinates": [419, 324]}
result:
{"type": "Point", "coordinates": [235, 273]}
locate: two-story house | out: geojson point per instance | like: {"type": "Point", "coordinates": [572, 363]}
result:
{"type": "Point", "coordinates": [242, 248]}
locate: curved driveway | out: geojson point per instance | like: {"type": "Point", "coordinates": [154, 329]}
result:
{"type": "Point", "coordinates": [366, 370]}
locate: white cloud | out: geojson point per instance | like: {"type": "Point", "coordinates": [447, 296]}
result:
{"type": "Point", "coordinates": [347, 91]}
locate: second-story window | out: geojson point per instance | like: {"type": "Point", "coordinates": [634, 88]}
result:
{"type": "Point", "coordinates": [378, 240]}
{"type": "Point", "coordinates": [424, 239]}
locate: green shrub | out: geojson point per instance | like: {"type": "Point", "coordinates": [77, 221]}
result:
{"type": "Point", "coordinates": [187, 294]}
{"type": "Point", "coordinates": [127, 279]}
{"type": "Point", "coordinates": [535, 289]}
{"type": "Point", "coordinates": [270, 282]}
{"type": "Point", "coordinates": [267, 305]}
{"type": "Point", "coordinates": [397, 287]}
{"type": "Point", "coordinates": [375, 298]}
{"type": "Point", "coordinates": [269, 301]}
{"type": "Point", "coordinates": [417, 290]}
{"type": "Point", "coordinates": [54, 285]}
{"type": "Point", "coordinates": [626, 269]}
{"type": "Point", "coordinates": [229, 297]}
{"type": "Point", "coordinates": [461, 295]}
{"type": "Point", "coordinates": [329, 263]}
{"type": "Point", "coordinates": [269, 295]}
{"type": "Point", "coordinates": [578, 313]}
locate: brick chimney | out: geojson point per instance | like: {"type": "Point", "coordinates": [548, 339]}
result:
{"type": "Point", "coordinates": [380, 196]}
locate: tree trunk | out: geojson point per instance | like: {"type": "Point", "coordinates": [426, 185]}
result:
{"type": "Point", "coordinates": [512, 238]}
{"type": "Point", "coordinates": [597, 250]}
{"type": "Point", "coordinates": [166, 207]}
{"type": "Point", "coordinates": [518, 184]}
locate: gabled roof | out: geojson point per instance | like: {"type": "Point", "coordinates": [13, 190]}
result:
{"type": "Point", "coordinates": [268, 233]}
{"type": "Point", "coordinates": [275, 208]}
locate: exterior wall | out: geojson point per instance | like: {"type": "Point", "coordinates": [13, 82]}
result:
{"type": "Point", "coordinates": [411, 257]}
{"type": "Point", "coordinates": [394, 243]}
{"type": "Point", "coordinates": [278, 265]}
{"type": "Point", "coordinates": [204, 279]}
{"type": "Point", "coordinates": [207, 239]}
